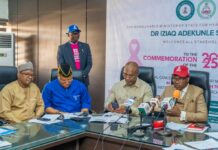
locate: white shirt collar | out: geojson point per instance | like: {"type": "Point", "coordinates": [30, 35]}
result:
{"type": "Point", "coordinates": [183, 91]}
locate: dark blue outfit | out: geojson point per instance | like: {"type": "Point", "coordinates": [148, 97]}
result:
{"type": "Point", "coordinates": [65, 55]}
{"type": "Point", "coordinates": [72, 99]}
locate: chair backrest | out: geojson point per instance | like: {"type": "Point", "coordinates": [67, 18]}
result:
{"type": "Point", "coordinates": [146, 74]}
{"type": "Point", "coordinates": [201, 79]}
{"type": "Point", "coordinates": [54, 74]}
{"type": "Point", "coordinates": [76, 75]}
{"type": "Point", "coordinates": [7, 75]}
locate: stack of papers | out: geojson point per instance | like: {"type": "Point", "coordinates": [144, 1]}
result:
{"type": "Point", "coordinates": [110, 118]}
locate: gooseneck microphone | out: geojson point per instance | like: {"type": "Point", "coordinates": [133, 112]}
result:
{"type": "Point", "coordinates": [167, 104]}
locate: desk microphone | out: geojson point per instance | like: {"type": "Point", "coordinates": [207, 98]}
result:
{"type": "Point", "coordinates": [148, 107]}
{"type": "Point", "coordinates": [128, 103]}
{"type": "Point", "coordinates": [176, 94]}
{"type": "Point", "coordinates": [144, 110]}
{"type": "Point", "coordinates": [169, 102]}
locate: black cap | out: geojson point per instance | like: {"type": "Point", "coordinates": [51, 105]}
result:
{"type": "Point", "coordinates": [65, 70]}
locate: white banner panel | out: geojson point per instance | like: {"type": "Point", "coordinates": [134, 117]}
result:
{"type": "Point", "coordinates": [163, 34]}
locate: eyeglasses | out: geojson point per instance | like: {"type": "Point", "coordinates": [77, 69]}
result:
{"type": "Point", "coordinates": [27, 74]}
{"type": "Point", "coordinates": [128, 75]}
{"type": "Point", "coordinates": [178, 79]}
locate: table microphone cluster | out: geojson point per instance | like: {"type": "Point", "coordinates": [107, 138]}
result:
{"type": "Point", "coordinates": [148, 108]}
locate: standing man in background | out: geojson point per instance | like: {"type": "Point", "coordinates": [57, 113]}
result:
{"type": "Point", "coordinates": [77, 54]}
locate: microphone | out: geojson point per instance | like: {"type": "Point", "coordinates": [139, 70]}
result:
{"type": "Point", "coordinates": [169, 102]}
{"type": "Point", "coordinates": [147, 107]}
{"type": "Point", "coordinates": [128, 103]}
{"type": "Point", "coordinates": [176, 94]}
{"type": "Point", "coordinates": [144, 108]}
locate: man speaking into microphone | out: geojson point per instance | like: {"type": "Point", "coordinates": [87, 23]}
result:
{"type": "Point", "coordinates": [190, 106]}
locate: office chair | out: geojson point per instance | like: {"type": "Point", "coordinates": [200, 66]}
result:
{"type": "Point", "coordinates": [7, 75]}
{"type": "Point", "coordinates": [54, 74]}
{"type": "Point", "coordinates": [201, 79]}
{"type": "Point", "coordinates": [146, 74]}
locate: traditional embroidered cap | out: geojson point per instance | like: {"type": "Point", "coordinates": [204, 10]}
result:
{"type": "Point", "coordinates": [181, 71]}
{"type": "Point", "coordinates": [73, 28]}
{"type": "Point", "coordinates": [65, 70]}
{"type": "Point", "coordinates": [26, 66]}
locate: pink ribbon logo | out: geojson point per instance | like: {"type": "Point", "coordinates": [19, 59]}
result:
{"type": "Point", "coordinates": [134, 48]}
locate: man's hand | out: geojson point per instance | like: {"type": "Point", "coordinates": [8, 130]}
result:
{"type": "Point", "coordinates": [175, 111]}
{"type": "Point", "coordinates": [121, 110]}
{"type": "Point", "coordinates": [110, 108]}
{"type": "Point", "coordinates": [84, 110]}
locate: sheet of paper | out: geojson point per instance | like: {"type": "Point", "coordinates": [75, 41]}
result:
{"type": "Point", "coordinates": [44, 122]}
{"type": "Point", "coordinates": [207, 144]}
{"type": "Point", "coordinates": [178, 147]}
{"type": "Point", "coordinates": [110, 117]}
{"type": "Point", "coordinates": [6, 131]}
{"type": "Point", "coordinates": [51, 117]}
{"type": "Point", "coordinates": [212, 134]}
{"type": "Point", "coordinates": [97, 119]}
{"type": "Point", "coordinates": [176, 126]}
{"type": "Point", "coordinates": [73, 115]}
{"type": "Point", "coordinates": [4, 143]}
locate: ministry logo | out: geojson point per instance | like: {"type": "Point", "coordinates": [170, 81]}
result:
{"type": "Point", "coordinates": [185, 10]}
{"type": "Point", "coordinates": [206, 9]}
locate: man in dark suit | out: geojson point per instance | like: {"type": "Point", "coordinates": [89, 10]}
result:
{"type": "Point", "coordinates": [77, 54]}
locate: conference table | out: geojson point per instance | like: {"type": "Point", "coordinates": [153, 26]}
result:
{"type": "Point", "coordinates": [82, 135]}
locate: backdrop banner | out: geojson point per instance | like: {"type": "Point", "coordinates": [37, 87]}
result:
{"type": "Point", "coordinates": [163, 34]}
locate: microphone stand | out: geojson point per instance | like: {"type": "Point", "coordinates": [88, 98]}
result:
{"type": "Point", "coordinates": [152, 119]}
{"type": "Point", "coordinates": [141, 117]}
{"type": "Point", "coordinates": [128, 111]}
{"type": "Point", "coordinates": [139, 130]}
{"type": "Point", "coordinates": [164, 132]}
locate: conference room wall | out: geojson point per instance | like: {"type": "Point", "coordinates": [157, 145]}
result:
{"type": "Point", "coordinates": [40, 26]}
